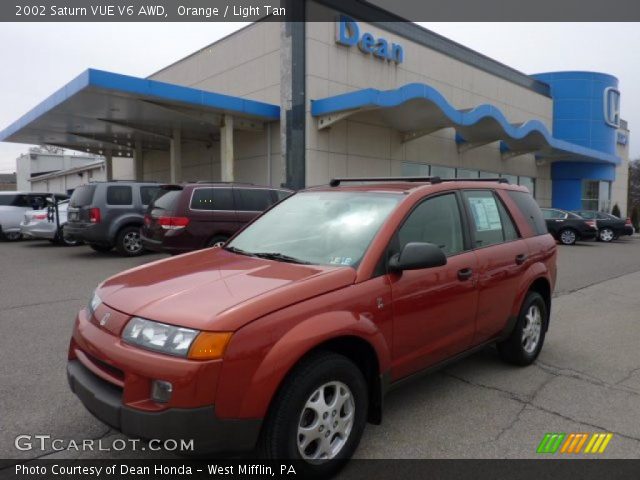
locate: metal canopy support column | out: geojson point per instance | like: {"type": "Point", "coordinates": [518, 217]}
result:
{"type": "Point", "coordinates": [175, 157]}
{"type": "Point", "coordinates": [108, 164]}
{"type": "Point", "coordinates": [226, 149]}
{"type": "Point", "coordinates": [139, 166]}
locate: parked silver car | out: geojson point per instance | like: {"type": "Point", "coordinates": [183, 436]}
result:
{"type": "Point", "coordinates": [43, 224]}
{"type": "Point", "coordinates": [13, 206]}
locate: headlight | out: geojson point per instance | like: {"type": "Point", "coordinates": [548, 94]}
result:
{"type": "Point", "coordinates": [172, 340]}
{"type": "Point", "coordinates": [94, 303]}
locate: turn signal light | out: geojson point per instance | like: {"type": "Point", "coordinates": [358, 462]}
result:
{"type": "Point", "coordinates": [173, 223]}
{"type": "Point", "coordinates": [209, 345]}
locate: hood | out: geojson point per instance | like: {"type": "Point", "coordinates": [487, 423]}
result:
{"type": "Point", "coordinates": [217, 289]}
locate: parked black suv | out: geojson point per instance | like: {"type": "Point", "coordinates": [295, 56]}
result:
{"type": "Point", "coordinates": [110, 214]}
{"type": "Point", "coordinates": [567, 227]}
{"type": "Point", "coordinates": [182, 218]}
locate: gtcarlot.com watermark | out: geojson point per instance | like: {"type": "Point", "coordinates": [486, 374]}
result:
{"type": "Point", "coordinates": [47, 443]}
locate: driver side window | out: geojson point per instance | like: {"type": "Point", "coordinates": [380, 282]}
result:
{"type": "Point", "coordinates": [436, 220]}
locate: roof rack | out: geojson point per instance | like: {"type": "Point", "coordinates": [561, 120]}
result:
{"type": "Point", "coordinates": [337, 181]}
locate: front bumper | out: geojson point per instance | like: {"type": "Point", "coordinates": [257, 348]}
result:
{"type": "Point", "coordinates": [209, 433]}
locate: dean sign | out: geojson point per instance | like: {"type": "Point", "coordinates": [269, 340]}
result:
{"type": "Point", "coordinates": [348, 33]}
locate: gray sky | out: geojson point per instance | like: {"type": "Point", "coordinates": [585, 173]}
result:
{"type": "Point", "coordinates": [39, 58]}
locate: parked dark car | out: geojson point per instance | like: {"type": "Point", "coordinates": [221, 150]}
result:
{"type": "Point", "coordinates": [610, 227]}
{"type": "Point", "coordinates": [110, 214]}
{"type": "Point", "coordinates": [567, 227]}
{"type": "Point", "coordinates": [189, 217]}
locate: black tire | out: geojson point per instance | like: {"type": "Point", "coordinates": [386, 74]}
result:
{"type": "Point", "coordinates": [128, 241]}
{"type": "Point", "coordinates": [100, 248]}
{"type": "Point", "coordinates": [217, 241]}
{"type": "Point", "coordinates": [606, 235]}
{"type": "Point", "coordinates": [67, 241]}
{"type": "Point", "coordinates": [513, 349]}
{"type": "Point", "coordinates": [279, 437]}
{"type": "Point", "coordinates": [567, 236]}
{"type": "Point", "coordinates": [12, 237]}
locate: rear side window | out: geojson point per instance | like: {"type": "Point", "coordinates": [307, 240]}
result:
{"type": "Point", "coordinates": [212, 199]}
{"type": "Point", "coordinates": [253, 199]}
{"type": "Point", "coordinates": [165, 201]}
{"type": "Point", "coordinates": [147, 194]}
{"type": "Point", "coordinates": [119, 195]}
{"type": "Point", "coordinates": [282, 194]}
{"type": "Point", "coordinates": [13, 201]}
{"type": "Point", "coordinates": [530, 210]}
{"type": "Point", "coordinates": [491, 222]}
{"type": "Point", "coordinates": [82, 196]}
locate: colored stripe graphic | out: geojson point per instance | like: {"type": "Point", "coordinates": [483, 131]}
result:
{"type": "Point", "coordinates": [551, 442]}
{"type": "Point", "coordinates": [574, 443]}
{"type": "Point", "coordinates": [598, 443]}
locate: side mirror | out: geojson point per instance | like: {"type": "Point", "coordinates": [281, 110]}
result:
{"type": "Point", "coordinates": [417, 255]}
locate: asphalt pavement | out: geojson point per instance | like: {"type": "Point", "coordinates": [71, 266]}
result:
{"type": "Point", "coordinates": [587, 378]}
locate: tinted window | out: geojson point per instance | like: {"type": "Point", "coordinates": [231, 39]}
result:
{"type": "Point", "coordinates": [485, 213]}
{"type": "Point", "coordinates": [82, 196]}
{"type": "Point", "coordinates": [147, 194]}
{"type": "Point", "coordinates": [119, 195]}
{"type": "Point", "coordinates": [14, 201]}
{"type": "Point", "coordinates": [553, 214]}
{"type": "Point", "coordinates": [436, 220]}
{"type": "Point", "coordinates": [530, 210]}
{"type": "Point", "coordinates": [585, 214]}
{"type": "Point", "coordinates": [165, 201]}
{"type": "Point", "coordinates": [282, 194]}
{"type": "Point", "coordinates": [253, 200]}
{"type": "Point", "coordinates": [37, 202]}
{"type": "Point", "coordinates": [508, 226]}
{"type": "Point", "coordinates": [212, 199]}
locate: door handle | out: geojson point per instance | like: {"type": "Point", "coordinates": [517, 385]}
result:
{"type": "Point", "coordinates": [465, 274]}
{"type": "Point", "coordinates": [520, 259]}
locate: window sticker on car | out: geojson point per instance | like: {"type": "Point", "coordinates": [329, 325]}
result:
{"type": "Point", "coordinates": [485, 213]}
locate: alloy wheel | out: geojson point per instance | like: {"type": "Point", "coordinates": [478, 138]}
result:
{"type": "Point", "coordinates": [532, 329]}
{"type": "Point", "coordinates": [568, 237]}
{"type": "Point", "coordinates": [132, 242]}
{"type": "Point", "coordinates": [606, 234]}
{"type": "Point", "coordinates": [326, 422]}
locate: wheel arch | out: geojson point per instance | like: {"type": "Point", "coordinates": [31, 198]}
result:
{"type": "Point", "coordinates": [123, 222]}
{"type": "Point", "coordinates": [542, 286]}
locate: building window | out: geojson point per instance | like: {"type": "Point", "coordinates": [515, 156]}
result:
{"type": "Point", "coordinates": [596, 195]}
{"type": "Point", "coordinates": [488, 175]}
{"type": "Point", "coordinates": [528, 182]}
{"type": "Point", "coordinates": [512, 179]}
{"type": "Point", "coordinates": [410, 169]}
{"type": "Point", "coordinates": [443, 172]}
{"type": "Point", "coordinates": [465, 173]}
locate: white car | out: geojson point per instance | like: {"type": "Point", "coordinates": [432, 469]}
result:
{"type": "Point", "coordinates": [14, 205]}
{"type": "Point", "coordinates": [42, 224]}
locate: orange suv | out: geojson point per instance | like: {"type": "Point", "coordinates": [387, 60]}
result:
{"type": "Point", "coordinates": [288, 338]}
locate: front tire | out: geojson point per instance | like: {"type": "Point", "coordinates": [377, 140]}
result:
{"type": "Point", "coordinates": [523, 346]}
{"type": "Point", "coordinates": [318, 416]}
{"type": "Point", "coordinates": [567, 236]}
{"type": "Point", "coordinates": [129, 242]}
{"type": "Point", "coordinates": [12, 236]}
{"type": "Point", "coordinates": [606, 235]}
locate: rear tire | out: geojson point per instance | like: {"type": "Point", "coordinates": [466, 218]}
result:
{"type": "Point", "coordinates": [606, 235]}
{"type": "Point", "coordinates": [100, 248]}
{"type": "Point", "coordinates": [218, 241]}
{"type": "Point", "coordinates": [12, 236]}
{"type": "Point", "coordinates": [128, 242]}
{"type": "Point", "coordinates": [320, 411]}
{"type": "Point", "coordinates": [523, 346]}
{"type": "Point", "coordinates": [567, 236]}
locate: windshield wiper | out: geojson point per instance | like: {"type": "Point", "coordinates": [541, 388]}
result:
{"type": "Point", "coordinates": [280, 257]}
{"type": "Point", "coordinates": [238, 251]}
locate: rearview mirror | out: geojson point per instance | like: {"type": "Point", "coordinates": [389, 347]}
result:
{"type": "Point", "coordinates": [417, 255]}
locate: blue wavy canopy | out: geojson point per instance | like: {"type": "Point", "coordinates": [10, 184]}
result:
{"type": "Point", "coordinates": [419, 107]}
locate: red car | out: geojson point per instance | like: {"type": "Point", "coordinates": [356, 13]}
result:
{"type": "Point", "coordinates": [288, 338]}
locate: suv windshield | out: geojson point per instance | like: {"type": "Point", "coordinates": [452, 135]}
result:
{"type": "Point", "coordinates": [325, 228]}
{"type": "Point", "coordinates": [82, 196]}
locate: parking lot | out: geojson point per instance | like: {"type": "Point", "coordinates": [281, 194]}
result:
{"type": "Point", "coordinates": [587, 378]}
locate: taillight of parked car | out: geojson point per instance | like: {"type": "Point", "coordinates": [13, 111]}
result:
{"type": "Point", "coordinates": [147, 220]}
{"type": "Point", "coordinates": [40, 216]}
{"type": "Point", "coordinates": [94, 215]}
{"type": "Point", "coordinates": [628, 221]}
{"type": "Point", "coordinates": [591, 223]}
{"type": "Point", "coordinates": [173, 223]}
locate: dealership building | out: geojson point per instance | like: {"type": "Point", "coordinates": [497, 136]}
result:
{"type": "Point", "coordinates": [300, 103]}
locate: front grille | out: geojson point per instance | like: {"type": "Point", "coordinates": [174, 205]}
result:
{"type": "Point", "coordinates": [105, 367]}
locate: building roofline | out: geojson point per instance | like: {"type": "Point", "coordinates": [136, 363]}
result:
{"type": "Point", "coordinates": [62, 173]}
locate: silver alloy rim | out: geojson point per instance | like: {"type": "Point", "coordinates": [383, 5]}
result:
{"type": "Point", "coordinates": [606, 235]}
{"type": "Point", "coordinates": [326, 422]}
{"type": "Point", "coordinates": [218, 244]}
{"type": "Point", "coordinates": [131, 242]}
{"type": "Point", "coordinates": [532, 329]}
{"type": "Point", "coordinates": [568, 237]}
